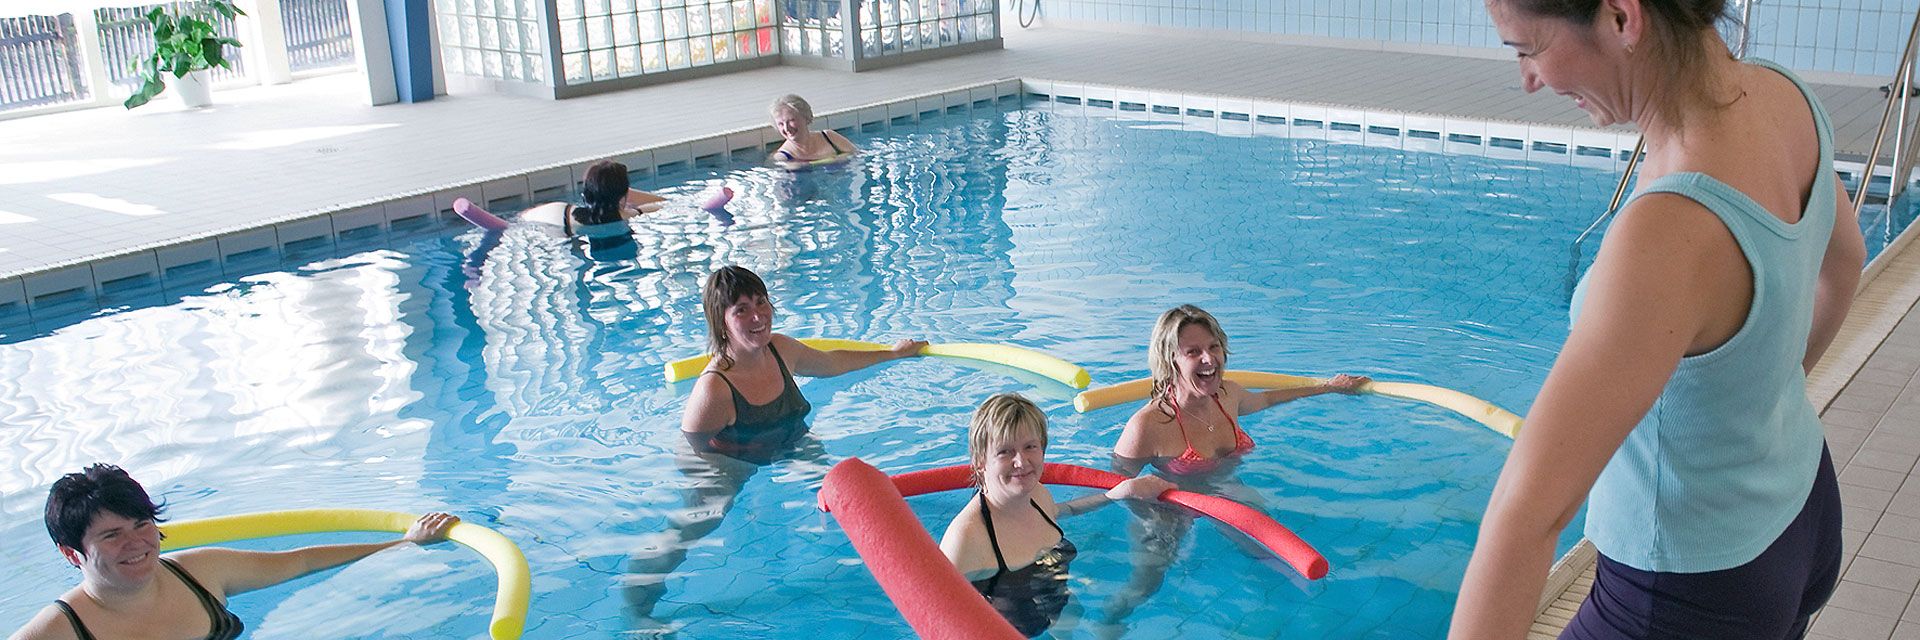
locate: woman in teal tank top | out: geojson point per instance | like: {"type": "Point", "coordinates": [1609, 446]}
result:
{"type": "Point", "coordinates": [104, 524]}
{"type": "Point", "coordinates": [1677, 408]}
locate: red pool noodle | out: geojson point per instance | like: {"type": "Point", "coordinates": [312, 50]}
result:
{"type": "Point", "coordinates": [935, 599]}
{"type": "Point", "coordinates": [1274, 536]}
{"type": "Point", "coordinates": [479, 217]}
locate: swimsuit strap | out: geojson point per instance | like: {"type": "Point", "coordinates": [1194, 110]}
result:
{"type": "Point", "coordinates": [1043, 516]}
{"type": "Point", "coordinates": [1230, 419]}
{"type": "Point", "coordinates": [212, 605]}
{"type": "Point", "coordinates": [831, 143]}
{"type": "Point", "coordinates": [79, 628]}
{"type": "Point", "coordinates": [1183, 427]}
{"type": "Point", "coordinates": [986, 517]}
{"type": "Point", "coordinates": [789, 156]}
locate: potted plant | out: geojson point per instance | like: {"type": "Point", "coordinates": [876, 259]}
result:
{"type": "Point", "coordinates": [185, 45]}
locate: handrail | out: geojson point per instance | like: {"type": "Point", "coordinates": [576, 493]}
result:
{"type": "Point", "coordinates": [1573, 260]}
{"type": "Point", "coordinates": [1896, 94]}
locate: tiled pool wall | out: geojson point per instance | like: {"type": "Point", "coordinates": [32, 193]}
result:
{"type": "Point", "coordinates": [185, 265]}
{"type": "Point", "coordinates": [1858, 37]}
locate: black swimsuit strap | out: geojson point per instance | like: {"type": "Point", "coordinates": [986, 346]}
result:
{"type": "Point", "coordinates": [986, 517]}
{"type": "Point", "coordinates": [786, 379]}
{"type": "Point", "coordinates": [831, 143]}
{"type": "Point", "coordinates": [212, 605]}
{"type": "Point", "coordinates": [79, 628]}
{"type": "Point", "coordinates": [1043, 516]}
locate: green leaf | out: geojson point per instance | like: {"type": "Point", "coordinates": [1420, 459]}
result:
{"type": "Point", "coordinates": [152, 87]}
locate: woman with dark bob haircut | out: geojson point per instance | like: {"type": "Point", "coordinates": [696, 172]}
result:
{"type": "Point", "coordinates": [1677, 411]}
{"type": "Point", "coordinates": [104, 524]}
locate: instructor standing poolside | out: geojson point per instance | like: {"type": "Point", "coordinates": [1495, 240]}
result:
{"type": "Point", "coordinates": [1678, 406]}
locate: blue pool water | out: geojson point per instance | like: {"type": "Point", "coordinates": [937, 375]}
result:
{"type": "Point", "coordinates": [519, 384]}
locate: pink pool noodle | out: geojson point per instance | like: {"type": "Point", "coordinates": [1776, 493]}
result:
{"type": "Point", "coordinates": [479, 217]}
{"type": "Point", "coordinates": [1274, 536]}
{"type": "Point", "coordinates": [718, 200]}
{"type": "Point", "coordinates": [935, 599]}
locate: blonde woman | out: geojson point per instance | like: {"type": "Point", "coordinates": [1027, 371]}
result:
{"type": "Point", "coordinates": [1191, 426]}
{"type": "Point", "coordinates": [793, 119]}
{"type": "Point", "coordinates": [1007, 540]}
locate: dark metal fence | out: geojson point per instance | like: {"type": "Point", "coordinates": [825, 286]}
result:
{"type": "Point", "coordinates": [127, 38]}
{"type": "Point", "coordinates": [40, 62]}
{"type": "Point", "coordinates": [319, 34]}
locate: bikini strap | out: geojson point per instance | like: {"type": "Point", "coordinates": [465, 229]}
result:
{"type": "Point", "coordinates": [1182, 425]}
{"type": "Point", "coordinates": [1043, 516]}
{"type": "Point", "coordinates": [831, 143]}
{"type": "Point", "coordinates": [1235, 423]}
{"type": "Point", "coordinates": [214, 609]}
{"type": "Point", "coordinates": [79, 628]}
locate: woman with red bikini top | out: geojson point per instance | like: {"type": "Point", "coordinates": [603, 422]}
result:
{"type": "Point", "coordinates": [1191, 425]}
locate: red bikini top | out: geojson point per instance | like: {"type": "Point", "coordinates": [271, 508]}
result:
{"type": "Point", "coordinates": [1190, 461]}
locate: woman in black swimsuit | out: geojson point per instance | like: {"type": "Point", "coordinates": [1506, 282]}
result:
{"type": "Point", "coordinates": [745, 412]}
{"type": "Point", "coordinates": [1006, 540]}
{"type": "Point", "coordinates": [793, 119]}
{"type": "Point", "coordinates": [105, 525]}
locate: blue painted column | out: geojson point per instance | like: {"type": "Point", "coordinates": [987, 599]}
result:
{"type": "Point", "coordinates": [410, 38]}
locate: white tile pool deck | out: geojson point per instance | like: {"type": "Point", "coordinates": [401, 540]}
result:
{"type": "Point", "coordinates": [81, 184]}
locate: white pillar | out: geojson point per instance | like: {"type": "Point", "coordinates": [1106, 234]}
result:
{"type": "Point", "coordinates": [374, 56]}
{"type": "Point", "coordinates": [266, 41]}
{"type": "Point", "coordinates": [87, 31]}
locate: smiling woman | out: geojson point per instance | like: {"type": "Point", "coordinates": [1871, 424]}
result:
{"type": "Point", "coordinates": [105, 524]}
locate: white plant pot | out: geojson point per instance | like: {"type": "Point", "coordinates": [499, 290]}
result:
{"type": "Point", "coordinates": [196, 90]}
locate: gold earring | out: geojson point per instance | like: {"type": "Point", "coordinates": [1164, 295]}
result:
{"type": "Point", "coordinates": [1629, 48]}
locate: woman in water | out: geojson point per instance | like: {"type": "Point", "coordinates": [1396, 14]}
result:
{"type": "Point", "coordinates": [745, 412]}
{"type": "Point", "coordinates": [793, 119]}
{"type": "Point", "coordinates": [1190, 430]}
{"type": "Point", "coordinates": [1007, 541]}
{"type": "Point", "coordinates": [104, 524]}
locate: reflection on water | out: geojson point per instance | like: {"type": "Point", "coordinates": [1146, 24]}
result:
{"type": "Point", "coordinates": [512, 379]}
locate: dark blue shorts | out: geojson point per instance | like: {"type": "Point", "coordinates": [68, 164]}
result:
{"type": "Point", "coordinates": [1774, 596]}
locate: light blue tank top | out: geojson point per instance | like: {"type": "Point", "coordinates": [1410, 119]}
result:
{"type": "Point", "coordinates": [1725, 458]}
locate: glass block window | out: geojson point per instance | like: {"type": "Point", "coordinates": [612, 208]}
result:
{"type": "Point", "coordinates": [813, 28]}
{"type": "Point", "coordinates": [890, 27]}
{"type": "Point", "coordinates": [608, 39]}
{"type": "Point", "coordinates": [497, 39]}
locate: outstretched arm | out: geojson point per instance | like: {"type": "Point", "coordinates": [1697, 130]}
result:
{"type": "Point", "coordinates": [234, 571]}
{"type": "Point", "coordinates": [814, 363]}
{"type": "Point", "coordinates": [1252, 402]}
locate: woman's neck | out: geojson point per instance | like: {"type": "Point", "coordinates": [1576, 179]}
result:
{"type": "Point", "coordinates": [746, 357]}
{"type": "Point", "coordinates": [121, 598]}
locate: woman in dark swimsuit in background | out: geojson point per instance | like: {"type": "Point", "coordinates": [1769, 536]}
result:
{"type": "Point", "coordinates": [793, 119]}
{"type": "Point", "coordinates": [1006, 540]}
{"type": "Point", "coordinates": [104, 523]}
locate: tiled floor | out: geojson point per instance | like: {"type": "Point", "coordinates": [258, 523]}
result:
{"type": "Point", "coordinates": [85, 183]}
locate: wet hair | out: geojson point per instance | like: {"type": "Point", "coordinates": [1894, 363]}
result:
{"type": "Point", "coordinates": [1001, 418]}
{"type": "Point", "coordinates": [602, 190]}
{"type": "Point", "coordinates": [77, 497]}
{"type": "Point", "coordinates": [1675, 32]}
{"type": "Point", "coordinates": [795, 103]}
{"type": "Point", "coordinates": [724, 287]}
{"type": "Point", "coordinates": [1164, 347]}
